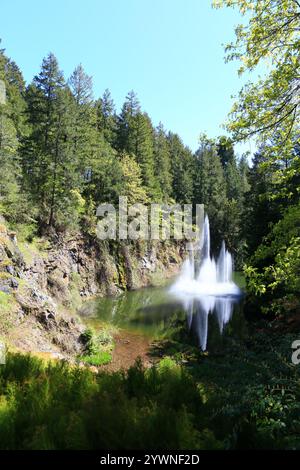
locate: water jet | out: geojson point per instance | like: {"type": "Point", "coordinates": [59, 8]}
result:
{"type": "Point", "coordinates": [206, 288]}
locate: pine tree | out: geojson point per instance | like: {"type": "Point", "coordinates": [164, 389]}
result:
{"type": "Point", "coordinates": [210, 187]}
{"type": "Point", "coordinates": [13, 201]}
{"type": "Point", "coordinates": [236, 176]}
{"type": "Point", "coordinates": [225, 150]}
{"type": "Point", "coordinates": [141, 144]}
{"type": "Point", "coordinates": [9, 166]}
{"type": "Point", "coordinates": [104, 179]}
{"type": "Point", "coordinates": [181, 169]}
{"type": "Point", "coordinates": [261, 210]}
{"type": "Point", "coordinates": [83, 130]}
{"type": "Point", "coordinates": [162, 163]}
{"type": "Point", "coordinates": [106, 117]}
{"type": "Point", "coordinates": [232, 174]}
{"type": "Point", "coordinates": [132, 186]}
{"type": "Point", "coordinates": [136, 137]}
{"type": "Point", "coordinates": [130, 109]}
{"type": "Point", "coordinates": [47, 153]}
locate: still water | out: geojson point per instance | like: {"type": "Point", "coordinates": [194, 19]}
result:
{"type": "Point", "coordinates": [151, 311]}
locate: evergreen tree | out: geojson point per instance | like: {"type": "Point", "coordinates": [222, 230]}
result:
{"type": "Point", "coordinates": [83, 130]}
{"type": "Point", "coordinates": [233, 182]}
{"type": "Point", "coordinates": [142, 145]}
{"type": "Point", "coordinates": [181, 169]}
{"type": "Point", "coordinates": [15, 89]}
{"type": "Point", "coordinates": [132, 186]}
{"type": "Point", "coordinates": [225, 150]}
{"type": "Point", "coordinates": [244, 174]}
{"type": "Point", "coordinates": [130, 109]}
{"type": "Point", "coordinates": [210, 188]}
{"type": "Point", "coordinates": [228, 159]}
{"type": "Point", "coordinates": [162, 163]}
{"type": "Point", "coordinates": [136, 137]}
{"type": "Point", "coordinates": [261, 210]}
{"type": "Point", "coordinates": [9, 166]}
{"type": "Point", "coordinates": [106, 117]}
{"type": "Point", "coordinates": [47, 153]}
{"type": "Point", "coordinates": [13, 201]}
{"type": "Point", "coordinates": [104, 175]}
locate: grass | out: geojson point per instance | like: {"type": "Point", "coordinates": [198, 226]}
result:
{"type": "Point", "coordinates": [5, 301]}
{"type": "Point", "coordinates": [29, 244]}
{"type": "Point", "coordinates": [7, 311]}
{"type": "Point", "coordinates": [98, 359]}
{"type": "Point", "coordinates": [4, 276]}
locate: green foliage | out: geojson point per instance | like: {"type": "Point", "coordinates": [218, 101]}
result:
{"type": "Point", "coordinates": [6, 302]}
{"type": "Point", "coordinates": [9, 187]}
{"type": "Point", "coordinates": [57, 407]}
{"type": "Point", "coordinates": [106, 117]}
{"type": "Point", "coordinates": [103, 176]}
{"type": "Point", "coordinates": [181, 170]}
{"type": "Point", "coordinates": [97, 347]}
{"type": "Point", "coordinates": [269, 108]}
{"type": "Point", "coordinates": [136, 137]}
{"type": "Point", "coordinates": [98, 359]}
{"type": "Point", "coordinates": [162, 163]}
{"type": "Point", "coordinates": [83, 131]}
{"type": "Point", "coordinates": [13, 201]}
{"type": "Point", "coordinates": [273, 272]}
{"type": "Point", "coordinates": [221, 183]}
{"type": "Point", "coordinates": [249, 399]}
{"type": "Point", "coordinates": [88, 338]}
{"type": "Point", "coordinates": [104, 337]}
{"type": "Point", "coordinates": [254, 394]}
{"type": "Point", "coordinates": [47, 156]}
{"type": "Point", "coordinates": [132, 181]}
{"type": "Point", "coordinates": [65, 153]}
{"type": "Point", "coordinates": [210, 186]}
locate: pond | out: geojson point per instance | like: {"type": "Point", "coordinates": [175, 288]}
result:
{"type": "Point", "coordinates": [152, 311]}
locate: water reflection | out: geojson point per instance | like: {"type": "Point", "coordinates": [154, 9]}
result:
{"type": "Point", "coordinates": [206, 287]}
{"type": "Point", "coordinates": [198, 309]}
{"type": "Point", "coordinates": [155, 311]}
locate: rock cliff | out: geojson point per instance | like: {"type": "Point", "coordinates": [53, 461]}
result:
{"type": "Point", "coordinates": [43, 283]}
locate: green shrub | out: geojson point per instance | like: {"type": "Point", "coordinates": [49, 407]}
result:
{"type": "Point", "coordinates": [98, 359]}
{"type": "Point", "coordinates": [249, 398]}
{"type": "Point", "coordinates": [273, 272]}
{"type": "Point", "coordinates": [104, 338]}
{"type": "Point", "coordinates": [96, 351]}
{"type": "Point", "coordinates": [88, 337]}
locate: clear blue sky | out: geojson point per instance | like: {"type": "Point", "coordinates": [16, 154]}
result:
{"type": "Point", "coordinates": [169, 51]}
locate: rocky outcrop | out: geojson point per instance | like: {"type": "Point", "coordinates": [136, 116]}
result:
{"type": "Point", "coordinates": [97, 268]}
{"type": "Point", "coordinates": [45, 285]}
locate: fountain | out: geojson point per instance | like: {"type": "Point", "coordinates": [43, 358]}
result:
{"type": "Point", "coordinates": [210, 290]}
{"type": "Point", "coordinates": [204, 296]}
{"type": "Point", "coordinates": [214, 278]}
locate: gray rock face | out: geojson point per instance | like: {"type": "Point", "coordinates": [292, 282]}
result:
{"type": "Point", "coordinates": [10, 269]}
{"type": "Point", "coordinates": [68, 269]}
{"type": "Point", "coordinates": [5, 289]}
{"type": "Point", "coordinates": [14, 283]}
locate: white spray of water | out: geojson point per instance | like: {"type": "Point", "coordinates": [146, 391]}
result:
{"type": "Point", "coordinates": [214, 278]}
{"type": "Point", "coordinates": [211, 290]}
